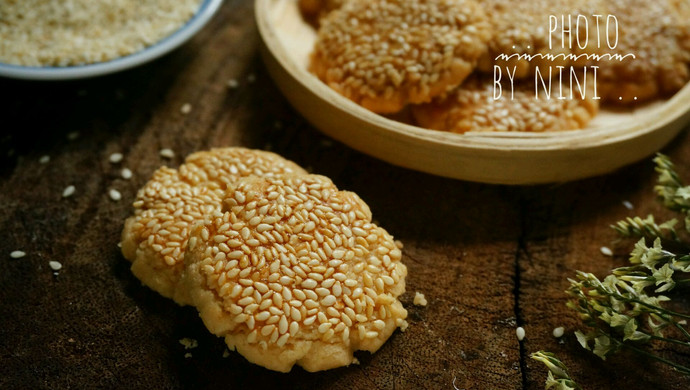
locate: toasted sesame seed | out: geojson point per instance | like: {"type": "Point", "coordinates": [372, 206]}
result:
{"type": "Point", "coordinates": [419, 299]}
{"type": "Point", "coordinates": [55, 265]}
{"type": "Point", "coordinates": [329, 300]}
{"type": "Point", "coordinates": [371, 334]}
{"type": "Point", "coordinates": [606, 251]}
{"type": "Point", "coordinates": [114, 194]}
{"type": "Point", "coordinates": [520, 333]}
{"type": "Point", "coordinates": [324, 327]}
{"type": "Point", "coordinates": [558, 332]}
{"type": "Point", "coordinates": [90, 32]}
{"type": "Point", "coordinates": [17, 254]}
{"type": "Point", "coordinates": [115, 158]}
{"type": "Point", "coordinates": [189, 343]}
{"type": "Point", "coordinates": [186, 108]}
{"type": "Point", "coordinates": [167, 153]}
{"type": "Point", "coordinates": [379, 324]}
{"type": "Point", "coordinates": [126, 173]}
{"type": "Point", "coordinates": [282, 339]}
{"type": "Point", "coordinates": [68, 191]}
{"type": "Point", "coordinates": [44, 159]}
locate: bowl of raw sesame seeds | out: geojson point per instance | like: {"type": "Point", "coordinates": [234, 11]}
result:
{"type": "Point", "coordinates": [339, 95]}
{"type": "Point", "coordinates": [47, 40]}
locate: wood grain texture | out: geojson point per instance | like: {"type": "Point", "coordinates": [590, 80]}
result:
{"type": "Point", "coordinates": [487, 257]}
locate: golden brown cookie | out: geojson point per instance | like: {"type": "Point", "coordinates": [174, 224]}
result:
{"type": "Point", "coordinates": [523, 27]}
{"type": "Point", "coordinates": [155, 238]}
{"type": "Point", "coordinates": [384, 54]}
{"type": "Point", "coordinates": [293, 271]}
{"type": "Point", "coordinates": [472, 107]}
{"type": "Point", "coordinates": [658, 34]}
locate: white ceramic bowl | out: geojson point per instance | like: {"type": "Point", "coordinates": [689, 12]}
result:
{"type": "Point", "coordinates": [207, 9]}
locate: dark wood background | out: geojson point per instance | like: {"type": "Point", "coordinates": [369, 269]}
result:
{"type": "Point", "coordinates": [488, 258]}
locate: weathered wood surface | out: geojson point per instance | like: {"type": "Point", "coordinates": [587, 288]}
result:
{"type": "Point", "coordinates": [486, 257]}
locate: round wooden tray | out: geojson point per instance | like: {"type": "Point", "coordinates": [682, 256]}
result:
{"type": "Point", "coordinates": [612, 140]}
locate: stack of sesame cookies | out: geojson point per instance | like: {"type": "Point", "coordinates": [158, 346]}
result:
{"type": "Point", "coordinates": [282, 264]}
{"type": "Point", "coordinates": [447, 62]}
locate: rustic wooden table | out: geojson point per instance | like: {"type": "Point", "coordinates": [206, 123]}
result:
{"type": "Point", "coordinates": [488, 258]}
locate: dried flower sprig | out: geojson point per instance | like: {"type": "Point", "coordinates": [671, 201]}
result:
{"type": "Point", "coordinates": [670, 188]}
{"type": "Point", "coordinates": [558, 377]}
{"type": "Point", "coordinates": [674, 195]}
{"type": "Point", "coordinates": [624, 310]}
{"type": "Point", "coordinates": [648, 227]}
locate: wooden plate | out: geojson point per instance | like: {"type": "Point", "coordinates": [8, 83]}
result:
{"type": "Point", "coordinates": [613, 139]}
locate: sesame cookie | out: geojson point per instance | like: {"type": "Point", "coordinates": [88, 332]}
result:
{"type": "Point", "coordinates": [293, 271]}
{"type": "Point", "coordinates": [155, 238]}
{"type": "Point", "coordinates": [384, 54]}
{"type": "Point", "coordinates": [523, 27]}
{"type": "Point", "coordinates": [658, 34]}
{"type": "Point", "coordinates": [472, 107]}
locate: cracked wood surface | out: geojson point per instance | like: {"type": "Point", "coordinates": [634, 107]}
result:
{"type": "Point", "coordinates": [488, 258]}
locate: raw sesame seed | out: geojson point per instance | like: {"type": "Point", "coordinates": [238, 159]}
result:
{"type": "Point", "coordinates": [558, 332]}
{"type": "Point", "coordinates": [167, 153]}
{"type": "Point", "coordinates": [126, 173]}
{"type": "Point", "coordinates": [114, 194]}
{"type": "Point", "coordinates": [520, 333]}
{"type": "Point", "coordinates": [68, 191]}
{"type": "Point", "coordinates": [17, 254]}
{"type": "Point", "coordinates": [55, 265]}
{"type": "Point", "coordinates": [186, 108]}
{"type": "Point", "coordinates": [115, 158]}
{"type": "Point", "coordinates": [44, 159]}
{"type": "Point", "coordinates": [606, 251]}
